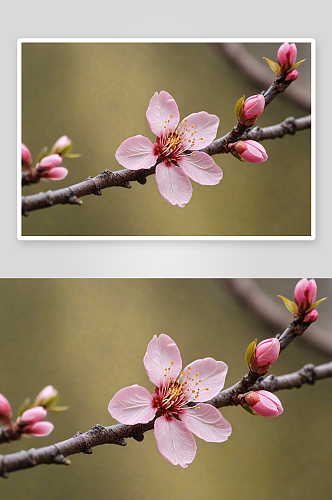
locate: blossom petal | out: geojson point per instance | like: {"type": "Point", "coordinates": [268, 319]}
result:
{"type": "Point", "coordinates": [200, 130]}
{"type": "Point", "coordinates": [205, 378]}
{"type": "Point", "coordinates": [136, 152]}
{"type": "Point", "coordinates": [132, 405]}
{"type": "Point", "coordinates": [162, 358]}
{"type": "Point", "coordinates": [163, 113]}
{"type": "Point", "coordinates": [175, 442]}
{"type": "Point", "coordinates": [207, 423]}
{"type": "Point", "coordinates": [200, 168]}
{"type": "Point", "coordinates": [173, 184]}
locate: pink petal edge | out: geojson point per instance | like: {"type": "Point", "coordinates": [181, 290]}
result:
{"type": "Point", "coordinates": [132, 405]}
{"type": "Point", "coordinates": [212, 374]}
{"type": "Point", "coordinates": [162, 353]}
{"type": "Point", "coordinates": [173, 184]}
{"type": "Point", "coordinates": [207, 423]}
{"type": "Point", "coordinates": [162, 114]}
{"type": "Point", "coordinates": [201, 168]}
{"type": "Point", "coordinates": [136, 152]}
{"type": "Point", "coordinates": [174, 441]}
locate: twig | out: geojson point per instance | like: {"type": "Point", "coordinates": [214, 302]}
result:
{"type": "Point", "coordinates": [94, 185]}
{"type": "Point", "coordinates": [275, 316]}
{"type": "Point", "coordinates": [260, 74]}
{"type": "Point", "coordinates": [116, 434]}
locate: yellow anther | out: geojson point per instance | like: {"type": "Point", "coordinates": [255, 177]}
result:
{"type": "Point", "coordinates": [193, 391]}
{"type": "Point", "coordinates": [200, 380]}
{"type": "Point", "coordinates": [196, 383]}
{"type": "Point", "coordinates": [171, 116]}
{"type": "Point", "coordinates": [172, 362]}
{"type": "Point", "coordinates": [186, 121]}
{"type": "Point", "coordinates": [189, 368]}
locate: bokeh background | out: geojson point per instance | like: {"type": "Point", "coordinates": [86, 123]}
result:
{"type": "Point", "coordinates": [98, 93]}
{"type": "Point", "coordinates": [87, 337]}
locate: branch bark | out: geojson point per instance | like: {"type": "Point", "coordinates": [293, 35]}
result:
{"type": "Point", "coordinates": [122, 178]}
{"type": "Point", "coordinates": [116, 434]}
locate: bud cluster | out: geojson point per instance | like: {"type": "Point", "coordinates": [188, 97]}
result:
{"type": "Point", "coordinates": [305, 300]}
{"type": "Point", "coordinates": [286, 62]}
{"type": "Point", "coordinates": [48, 163]}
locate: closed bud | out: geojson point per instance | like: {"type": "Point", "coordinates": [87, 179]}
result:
{"type": "Point", "coordinates": [292, 75]}
{"type": "Point", "coordinates": [267, 352]}
{"type": "Point", "coordinates": [255, 152]}
{"type": "Point", "coordinates": [287, 54]}
{"type": "Point", "coordinates": [305, 294]}
{"type": "Point", "coordinates": [50, 161]}
{"type": "Point", "coordinates": [311, 316]}
{"type": "Point", "coordinates": [39, 429]}
{"type": "Point", "coordinates": [253, 107]}
{"type": "Point", "coordinates": [26, 157]}
{"type": "Point", "coordinates": [5, 410]}
{"type": "Point", "coordinates": [46, 396]}
{"type": "Point", "coordinates": [268, 404]}
{"type": "Point", "coordinates": [62, 145]}
{"type": "Point", "coordinates": [55, 174]}
{"type": "Point", "coordinates": [32, 415]}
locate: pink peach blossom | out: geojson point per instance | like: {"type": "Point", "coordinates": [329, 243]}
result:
{"type": "Point", "coordinates": [175, 389]}
{"type": "Point", "coordinates": [267, 352]}
{"type": "Point", "coordinates": [170, 151]}
{"type": "Point", "coordinates": [255, 152]}
{"type": "Point", "coordinates": [5, 410]}
{"type": "Point", "coordinates": [253, 107]}
{"type": "Point", "coordinates": [268, 405]}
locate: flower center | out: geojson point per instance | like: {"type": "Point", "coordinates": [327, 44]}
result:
{"type": "Point", "coordinates": [172, 143]}
{"type": "Point", "coordinates": [172, 396]}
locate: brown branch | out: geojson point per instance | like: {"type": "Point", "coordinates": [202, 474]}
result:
{"type": "Point", "coordinates": [275, 315]}
{"type": "Point", "coordinates": [122, 178]}
{"type": "Point", "coordinates": [116, 434]}
{"type": "Point", "coordinates": [260, 74]}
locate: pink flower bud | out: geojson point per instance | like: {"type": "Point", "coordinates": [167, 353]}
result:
{"type": "Point", "coordinates": [268, 405]}
{"type": "Point", "coordinates": [39, 429]}
{"type": "Point", "coordinates": [292, 53]}
{"type": "Point", "coordinates": [50, 161]}
{"type": "Point", "coordinates": [267, 352]}
{"type": "Point", "coordinates": [61, 143]}
{"type": "Point", "coordinates": [253, 107]}
{"type": "Point", "coordinates": [305, 294]}
{"type": "Point", "coordinates": [26, 157]}
{"type": "Point", "coordinates": [287, 54]}
{"type": "Point", "coordinates": [311, 316]}
{"type": "Point", "coordinates": [311, 291]}
{"type": "Point", "coordinates": [300, 291]}
{"type": "Point", "coordinates": [292, 76]}
{"type": "Point", "coordinates": [46, 395]}
{"type": "Point", "coordinates": [255, 153]}
{"type": "Point", "coordinates": [5, 410]}
{"type": "Point", "coordinates": [33, 415]}
{"type": "Point", "coordinates": [56, 174]}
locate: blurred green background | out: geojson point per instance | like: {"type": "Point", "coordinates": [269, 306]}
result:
{"type": "Point", "coordinates": [87, 337]}
{"type": "Point", "coordinates": [98, 94]}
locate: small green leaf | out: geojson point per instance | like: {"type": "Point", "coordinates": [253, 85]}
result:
{"type": "Point", "coordinates": [58, 408]}
{"type": "Point", "coordinates": [295, 65]}
{"type": "Point", "coordinates": [315, 304]}
{"type": "Point", "coordinates": [291, 306]}
{"type": "Point", "coordinates": [250, 410]}
{"type": "Point", "coordinates": [250, 349]}
{"type": "Point", "coordinates": [24, 406]}
{"type": "Point", "coordinates": [238, 106]}
{"type": "Point", "coordinates": [238, 157]}
{"type": "Point", "coordinates": [42, 154]}
{"type": "Point", "coordinates": [71, 155]}
{"type": "Point", "coordinates": [274, 66]}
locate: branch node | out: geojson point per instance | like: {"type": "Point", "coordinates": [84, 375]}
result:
{"type": "Point", "coordinates": [138, 437]}
{"type": "Point", "coordinates": [120, 442]}
{"type": "Point", "coordinates": [308, 374]}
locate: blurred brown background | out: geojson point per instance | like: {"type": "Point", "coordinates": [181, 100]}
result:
{"type": "Point", "coordinates": [87, 337]}
{"type": "Point", "coordinates": [98, 93]}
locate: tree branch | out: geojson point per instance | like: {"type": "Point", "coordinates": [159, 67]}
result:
{"type": "Point", "coordinates": [116, 434]}
{"type": "Point", "coordinates": [122, 178]}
